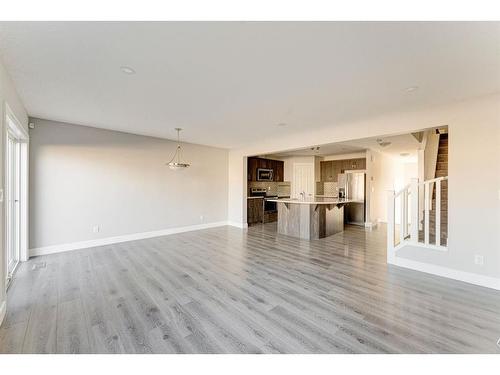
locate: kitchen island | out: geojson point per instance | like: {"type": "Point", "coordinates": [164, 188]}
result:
{"type": "Point", "coordinates": [311, 218]}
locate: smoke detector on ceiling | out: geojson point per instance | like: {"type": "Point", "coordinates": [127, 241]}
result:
{"type": "Point", "coordinates": [127, 70]}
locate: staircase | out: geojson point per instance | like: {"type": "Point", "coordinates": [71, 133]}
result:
{"type": "Point", "coordinates": [405, 226]}
{"type": "Point", "coordinates": [441, 171]}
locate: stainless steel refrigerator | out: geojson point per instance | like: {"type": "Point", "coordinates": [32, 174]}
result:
{"type": "Point", "coordinates": [353, 185]}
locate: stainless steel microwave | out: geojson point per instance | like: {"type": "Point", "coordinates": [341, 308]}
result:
{"type": "Point", "coordinates": [264, 174]}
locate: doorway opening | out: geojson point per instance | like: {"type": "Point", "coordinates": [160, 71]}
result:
{"type": "Point", "coordinates": [15, 194]}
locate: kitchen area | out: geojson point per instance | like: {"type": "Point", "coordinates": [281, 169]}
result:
{"type": "Point", "coordinates": [265, 183]}
{"type": "Point", "coordinates": [310, 197]}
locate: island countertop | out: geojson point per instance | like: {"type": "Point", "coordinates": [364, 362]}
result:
{"type": "Point", "coordinates": [317, 200]}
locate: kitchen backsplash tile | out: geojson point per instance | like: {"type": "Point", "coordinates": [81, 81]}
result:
{"type": "Point", "coordinates": [273, 188]}
{"type": "Point", "coordinates": [284, 189]}
{"type": "Point", "coordinates": [330, 188]}
{"type": "Point", "coordinates": [319, 188]}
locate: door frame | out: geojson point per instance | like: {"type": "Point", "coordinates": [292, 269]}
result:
{"type": "Point", "coordinates": [15, 130]}
{"type": "Point", "coordinates": [294, 193]}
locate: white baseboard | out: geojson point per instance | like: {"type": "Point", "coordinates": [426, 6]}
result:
{"type": "Point", "coordinates": [117, 239]}
{"type": "Point", "coordinates": [3, 311]}
{"type": "Point", "coordinates": [468, 277]}
{"type": "Point", "coordinates": [237, 224]}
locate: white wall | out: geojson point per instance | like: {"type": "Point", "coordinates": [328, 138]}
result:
{"type": "Point", "coordinates": [383, 173]}
{"type": "Point", "coordinates": [474, 204]}
{"type": "Point", "coordinates": [356, 155]}
{"type": "Point", "coordinates": [410, 170]}
{"type": "Point", "coordinates": [81, 177]}
{"type": "Point", "coordinates": [8, 95]}
{"type": "Point", "coordinates": [473, 192]}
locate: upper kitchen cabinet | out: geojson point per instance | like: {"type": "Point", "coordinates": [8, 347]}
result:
{"type": "Point", "coordinates": [330, 169]}
{"type": "Point", "coordinates": [337, 168]}
{"type": "Point", "coordinates": [327, 171]}
{"type": "Point", "coordinates": [252, 166]}
{"type": "Point", "coordinates": [354, 164]}
{"type": "Point", "coordinates": [260, 163]}
{"type": "Point", "coordinates": [279, 170]}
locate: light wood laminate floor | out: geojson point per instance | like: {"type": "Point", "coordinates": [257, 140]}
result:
{"type": "Point", "coordinates": [225, 290]}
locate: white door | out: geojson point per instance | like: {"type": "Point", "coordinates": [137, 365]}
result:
{"type": "Point", "coordinates": [303, 180]}
{"type": "Point", "coordinates": [12, 184]}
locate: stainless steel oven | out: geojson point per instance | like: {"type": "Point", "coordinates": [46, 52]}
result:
{"type": "Point", "coordinates": [270, 206]}
{"type": "Point", "coordinates": [262, 192]}
{"type": "Point", "coordinates": [265, 174]}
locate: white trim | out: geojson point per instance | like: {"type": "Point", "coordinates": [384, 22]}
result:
{"type": "Point", "coordinates": [3, 311]}
{"type": "Point", "coordinates": [237, 224]}
{"type": "Point", "coordinates": [423, 245]}
{"type": "Point", "coordinates": [124, 238]}
{"type": "Point", "coordinates": [468, 277]}
{"type": "Point", "coordinates": [370, 224]}
{"type": "Point", "coordinates": [24, 200]}
{"type": "Point", "coordinates": [15, 130]}
{"type": "Point", "coordinates": [18, 131]}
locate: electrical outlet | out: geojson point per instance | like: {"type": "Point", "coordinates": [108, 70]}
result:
{"type": "Point", "coordinates": [479, 260]}
{"type": "Point", "coordinates": [96, 229]}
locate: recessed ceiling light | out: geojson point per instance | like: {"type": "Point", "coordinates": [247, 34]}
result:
{"type": "Point", "coordinates": [411, 89]}
{"type": "Point", "coordinates": [127, 70]}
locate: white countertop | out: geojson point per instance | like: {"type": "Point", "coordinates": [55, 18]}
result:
{"type": "Point", "coordinates": [266, 198]}
{"type": "Point", "coordinates": [317, 200]}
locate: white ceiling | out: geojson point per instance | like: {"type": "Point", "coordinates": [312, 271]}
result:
{"type": "Point", "coordinates": [404, 143]}
{"type": "Point", "coordinates": [229, 83]}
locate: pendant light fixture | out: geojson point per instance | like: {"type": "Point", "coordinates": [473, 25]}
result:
{"type": "Point", "coordinates": [175, 163]}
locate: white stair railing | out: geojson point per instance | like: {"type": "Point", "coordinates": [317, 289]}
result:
{"type": "Point", "coordinates": [406, 203]}
{"type": "Point", "coordinates": [428, 187]}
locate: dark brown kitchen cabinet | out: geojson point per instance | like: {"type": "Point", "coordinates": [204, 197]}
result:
{"type": "Point", "coordinates": [255, 163]}
{"type": "Point", "coordinates": [322, 169]}
{"type": "Point", "coordinates": [355, 164]}
{"type": "Point", "coordinates": [327, 171]}
{"type": "Point", "coordinates": [330, 169]}
{"type": "Point", "coordinates": [346, 165]}
{"type": "Point", "coordinates": [337, 169]}
{"type": "Point", "coordinates": [255, 210]}
{"type": "Point", "coordinates": [279, 171]}
{"type": "Point", "coordinates": [362, 163]}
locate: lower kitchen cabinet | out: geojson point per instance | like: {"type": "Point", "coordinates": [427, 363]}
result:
{"type": "Point", "coordinates": [255, 210]}
{"type": "Point", "coordinates": [270, 217]}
